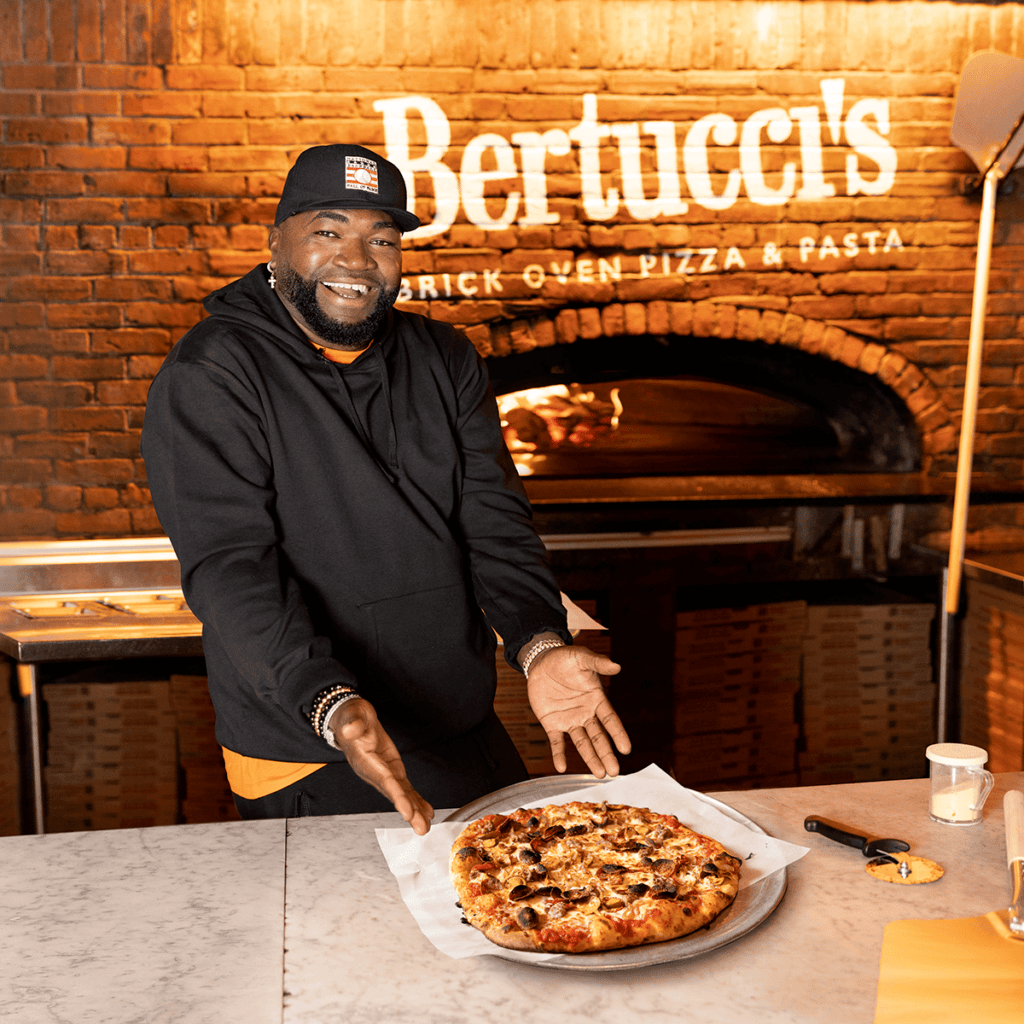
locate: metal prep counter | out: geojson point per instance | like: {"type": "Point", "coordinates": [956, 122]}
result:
{"type": "Point", "coordinates": [88, 600]}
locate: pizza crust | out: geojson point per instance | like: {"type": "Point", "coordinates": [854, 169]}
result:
{"type": "Point", "coordinates": [582, 877]}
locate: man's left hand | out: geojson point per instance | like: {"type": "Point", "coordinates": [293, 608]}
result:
{"type": "Point", "coordinates": [566, 695]}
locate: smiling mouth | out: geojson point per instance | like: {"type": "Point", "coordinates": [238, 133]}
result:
{"type": "Point", "coordinates": [347, 289]}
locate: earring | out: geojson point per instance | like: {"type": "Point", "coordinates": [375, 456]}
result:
{"type": "Point", "coordinates": [273, 280]}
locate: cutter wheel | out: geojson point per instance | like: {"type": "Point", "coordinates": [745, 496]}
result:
{"type": "Point", "coordinates": [910, 870]}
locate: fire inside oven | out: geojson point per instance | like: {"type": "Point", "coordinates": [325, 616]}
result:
{"type": "Point", "coordinates": [661, 427]}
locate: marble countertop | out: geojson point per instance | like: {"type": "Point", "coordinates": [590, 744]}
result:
{"type": "Point", "coordinates": [300, 922]}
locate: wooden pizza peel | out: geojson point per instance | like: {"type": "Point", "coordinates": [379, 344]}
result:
{"type": "Point", "coordinates": [959, 971]}
{"type": "Point", "coordinates": [988, 125]}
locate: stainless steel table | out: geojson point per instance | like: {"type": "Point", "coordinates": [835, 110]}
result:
{"type": "Point", "coordinates": [81, 600]}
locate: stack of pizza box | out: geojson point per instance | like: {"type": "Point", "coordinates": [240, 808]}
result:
{"type": "Point", "coordinates": [736, 678]}
{"type": "Point", "coordinates": [205, 795]}
{"type": "Point", "coordinates": [513, 708]}
{"type": "Point", "coordinates": [9, 768]}
{"type": "Point", "coordinates": [868, 692]}
{"type": "Point", "coordinates": [992, 675]}
{"type": "Point", "coordinates": [111, 758]}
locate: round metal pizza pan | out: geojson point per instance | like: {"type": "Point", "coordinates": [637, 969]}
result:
{"type": "Point", "coordinates": [752, 906]}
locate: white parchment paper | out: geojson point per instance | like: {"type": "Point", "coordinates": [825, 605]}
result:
{"type": "Point", "coordinates": [420, 863]}
{"type": "Point", "coordinates": [577, 618]}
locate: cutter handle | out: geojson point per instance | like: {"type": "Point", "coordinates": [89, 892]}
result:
{"type": "Point", "coordinates": [834, 831]}
{"type": "Point", "coordinates": [1013, 815]}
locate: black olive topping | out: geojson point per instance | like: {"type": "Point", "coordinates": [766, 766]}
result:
{"type": "Point", "coordinates": [527, 918]}
{"type": "Point", "coordinates": [577, 895]}
{"type": "Point", "coordinates": [548, 890]}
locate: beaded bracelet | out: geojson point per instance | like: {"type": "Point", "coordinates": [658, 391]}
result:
{"type": "Point", "coordinates": [326, 733]}
{"type": "Point", "coordinates": [322, 703]}
{"type": "Point", "coordinates": [326, 708]}
{"type": "Point", "coordinates": [544, 645]}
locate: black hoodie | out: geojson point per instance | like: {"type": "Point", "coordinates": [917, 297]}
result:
{"type": "Point", "coordinates": [341, 524]}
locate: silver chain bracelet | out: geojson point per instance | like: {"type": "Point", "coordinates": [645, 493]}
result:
{"type": "Point", "coordinates": [544, 645]}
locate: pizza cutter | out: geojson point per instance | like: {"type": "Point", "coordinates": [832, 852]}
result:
{"type": "Point", "coordinates": [905, 870]}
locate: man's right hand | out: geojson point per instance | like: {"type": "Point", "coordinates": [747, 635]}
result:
{"type": "Point", "coordinates": [374, 758]}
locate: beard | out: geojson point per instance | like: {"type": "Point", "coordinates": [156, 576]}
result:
{"type": "Point", "coordinates": [334, 333]}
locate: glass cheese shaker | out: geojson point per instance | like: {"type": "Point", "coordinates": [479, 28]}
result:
{"type": "Point", "coordinates": [959, 783]}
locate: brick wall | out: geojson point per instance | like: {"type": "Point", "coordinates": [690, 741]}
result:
{"type": "Point", "coordinates": [145, 142]}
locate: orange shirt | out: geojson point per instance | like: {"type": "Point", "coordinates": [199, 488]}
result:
{"type": "Point", "coordinates": [337, 355]}
{"type": "Point", "coordinates": [253, 777]}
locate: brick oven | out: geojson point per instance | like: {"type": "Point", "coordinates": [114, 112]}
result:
{"type": "Point", "coordinates": [756, 203]}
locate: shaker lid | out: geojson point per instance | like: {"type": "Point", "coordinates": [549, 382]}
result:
{"type": "Point", "coordinates": [959, 755]}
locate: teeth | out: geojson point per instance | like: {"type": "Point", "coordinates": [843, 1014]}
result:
{"type": "Point", "coordinates": [339, 286]}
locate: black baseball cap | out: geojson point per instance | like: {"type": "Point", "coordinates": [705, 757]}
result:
{"type": "Point", "coordinates": [345, 177]}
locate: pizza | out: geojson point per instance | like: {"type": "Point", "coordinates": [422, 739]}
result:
{"type": "Point", "coordinates": [581, 877]}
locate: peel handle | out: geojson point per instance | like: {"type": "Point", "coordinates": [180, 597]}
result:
{"type": "Point", "coordinates": [1013, 818]}
{"type": "Point", "coordinates": [833, 830]}
{"type": "Point", "coordinates": [1013, 815]}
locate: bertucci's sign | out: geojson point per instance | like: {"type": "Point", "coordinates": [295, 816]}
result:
{"type": "Point", "coordinates": [870, 169]}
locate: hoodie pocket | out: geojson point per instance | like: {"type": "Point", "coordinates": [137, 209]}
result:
{"type": "Point", "coordinates": [432, 672]}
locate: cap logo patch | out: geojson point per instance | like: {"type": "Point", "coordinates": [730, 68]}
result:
{"type": "Point", "coordinates": [361, 173]}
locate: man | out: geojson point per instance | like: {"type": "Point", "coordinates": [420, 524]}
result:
{"type": "Point", "coordinates": [350, 526]}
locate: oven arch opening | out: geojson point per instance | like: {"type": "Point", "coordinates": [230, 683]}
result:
{"type": "Point", "coordinates": [768, 409]}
